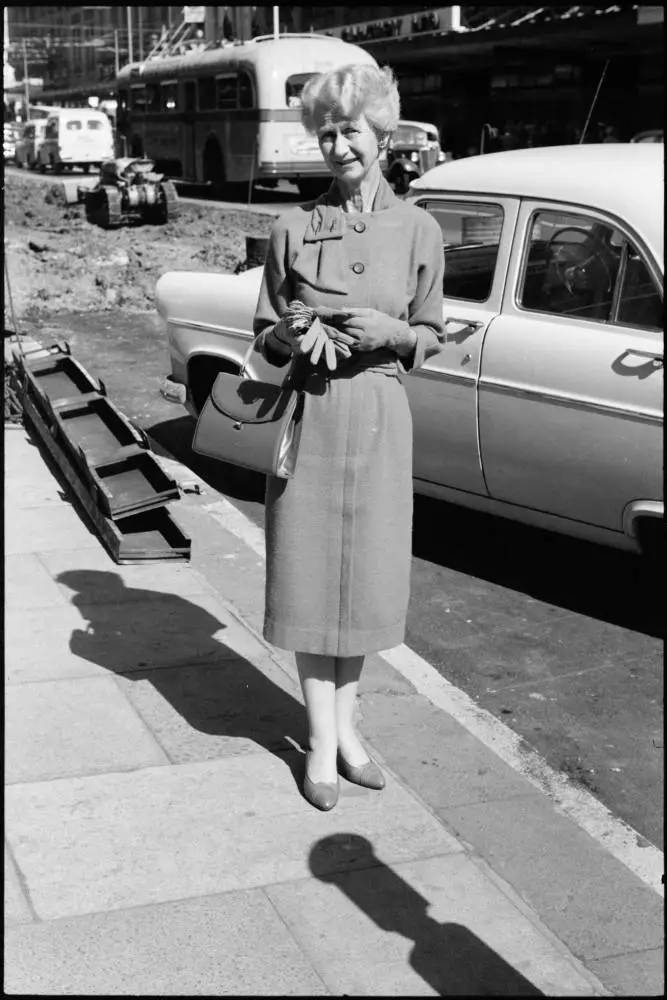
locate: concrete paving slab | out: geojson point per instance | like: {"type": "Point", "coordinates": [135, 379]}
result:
{"type": "Point", "coordinates": [55, 729]}
{"type": "Point", "coordinates": [233, 706]}
{"type": "Point", "coordinates": [378, 676]}
{"type": "Point", "coordinates": [29, 585]}
{"type": "Point", "coordinates": [45, 529]}
{"type": "Point", "coordinates": [229, 945]}
{"type": "Point", "coordinates": [34, 494]}
{"type": "Point", "coordinates": [235, 570]}
{"type": "Point", "coordinates": [451, 768]}
{"type": "Point", "coordinates": [567, 877]}
{"type": "Point", "coordinates": [94, 578]}
{"type": "Point", "coordinates": [37, 643]}
{"type": "Point", "coordinates": [16, 907]}
{"type": "Point", "coordinates": [427, 928]}
{"type": "Point", "coordinates": [635, 974]}
{"type": "Point", "coordinates": [167, 833]}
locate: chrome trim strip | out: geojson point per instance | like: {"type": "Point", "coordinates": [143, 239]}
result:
{"type": "Point", "coordinates": [438, 374]}
{"type": "Point", "coordinates": [565, 399]}
{"type": "Point", "coordinates": [194, 324]}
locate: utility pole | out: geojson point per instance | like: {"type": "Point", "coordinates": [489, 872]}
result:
{"type": "Point", "coordinates": [116, 52]}
{"type": "Point", "coordinates": [130, 56]}
{"type": "Point", "coordinates": [26, 82]}
{"type": "Point", "coordinates": [140, 25]}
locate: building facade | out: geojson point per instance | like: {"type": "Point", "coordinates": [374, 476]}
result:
{"type": "Point", "coordinates": [472, 70]}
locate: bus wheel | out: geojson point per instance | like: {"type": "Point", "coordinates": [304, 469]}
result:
{"type": "Point", "coordinates": [214, 167]}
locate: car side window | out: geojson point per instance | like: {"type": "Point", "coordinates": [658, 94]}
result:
{"type": "Point", "coordinates": [471, 238]}
{"type": "Point", "coordinates": [578, 266]}
{"type": "Point", "coordinates": [639, 300]}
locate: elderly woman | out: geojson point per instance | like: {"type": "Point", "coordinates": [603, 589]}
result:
{"type": "Point", "coordinates": [338, 534]}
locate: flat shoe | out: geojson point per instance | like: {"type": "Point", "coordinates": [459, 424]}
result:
{"type": "Point", "coordinates": [368, 775]}
{"type": "Point", "coordinates": [320, 794]}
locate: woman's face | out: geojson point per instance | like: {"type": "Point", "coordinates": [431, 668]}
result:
{"type": "Point", "coordinates": [349, 146]}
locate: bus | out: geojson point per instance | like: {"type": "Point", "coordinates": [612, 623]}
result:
{"type": "Point", "coordinates": [230, 115]}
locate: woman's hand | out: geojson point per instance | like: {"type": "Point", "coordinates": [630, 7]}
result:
{"type": "Point", "coordinates": [371, 329]}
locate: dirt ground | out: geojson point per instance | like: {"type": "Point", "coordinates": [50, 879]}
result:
{"type": "Point", "coordinates": [58, 262]}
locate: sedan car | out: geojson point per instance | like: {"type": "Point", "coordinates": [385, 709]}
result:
{"type": "Point", "coordinates": [544, 404]}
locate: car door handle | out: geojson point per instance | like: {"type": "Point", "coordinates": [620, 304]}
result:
{"type": "Point", "coordinates": [472, 324]}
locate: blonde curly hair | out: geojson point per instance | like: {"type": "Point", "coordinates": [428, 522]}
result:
{"type": "Point", "coordinates": [349, 92]}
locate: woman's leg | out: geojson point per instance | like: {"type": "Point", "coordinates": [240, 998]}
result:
{"type": "Point", "coordinates": [348, 672]}
{"type": "Point", "coordinates": [318, 684]}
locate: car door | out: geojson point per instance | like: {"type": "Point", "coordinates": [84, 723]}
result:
{"type": "Point", "coordinates": [477, 238]}
{"type": "Point", "coordinates": [570, 391]}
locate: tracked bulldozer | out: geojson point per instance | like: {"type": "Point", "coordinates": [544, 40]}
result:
{"type": "Point", "coordinates": [130, 189]}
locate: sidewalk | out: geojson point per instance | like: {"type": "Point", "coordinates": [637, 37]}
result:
{"type": "Point", "coordinates": [156, 839]}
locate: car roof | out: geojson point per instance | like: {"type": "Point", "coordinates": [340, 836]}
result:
{"type": "Point", "coordinates": [622, 179]}
{"type": "Point", "coordinates": [424, 125]}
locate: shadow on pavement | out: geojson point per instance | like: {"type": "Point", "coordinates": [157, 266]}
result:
{"type": "Point", "coordinates": [593, 580]}
{"type": "Point", "coordinates": [214, 689]}
{"type": "Point", "coordinates": [449, 957]}
{"type": "Point", "coordinates": [173, 439]}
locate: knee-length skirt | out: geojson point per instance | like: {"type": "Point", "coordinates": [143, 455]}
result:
{"type": "Point", "coordinates": [339, 533]}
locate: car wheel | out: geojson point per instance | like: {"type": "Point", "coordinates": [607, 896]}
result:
{"type": "Point", "coordinates": [202, 373]}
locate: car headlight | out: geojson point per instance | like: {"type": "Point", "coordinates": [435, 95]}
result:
{"type": "Point", "coordinates": [414, 157]}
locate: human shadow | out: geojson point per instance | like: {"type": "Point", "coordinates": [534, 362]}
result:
{"type": "Point", "coordinates": [452, 959]}
{"type": "Point", "coordinates": [169, 641]}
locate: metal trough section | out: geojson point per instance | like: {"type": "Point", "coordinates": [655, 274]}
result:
{"type": "Point", "coordinates": [104, 459]}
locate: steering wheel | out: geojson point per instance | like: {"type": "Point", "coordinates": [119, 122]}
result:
{"type": "Point", "coordinates": [577, 273]}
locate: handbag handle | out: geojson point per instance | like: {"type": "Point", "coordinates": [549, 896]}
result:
{"type": "Point", "coordinates": [296, 375]}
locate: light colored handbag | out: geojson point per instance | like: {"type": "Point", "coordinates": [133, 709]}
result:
{"type": "Point", "coordinates": [252, 423]}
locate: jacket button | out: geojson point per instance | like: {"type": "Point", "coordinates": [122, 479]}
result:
{"type": "Point", "coordinates": [358, 268]}
{"type": "Point", "coordinates": [360, 227]}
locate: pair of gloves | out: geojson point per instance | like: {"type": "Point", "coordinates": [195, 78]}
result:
{"type": "Point", "coordinates": [314, 337]}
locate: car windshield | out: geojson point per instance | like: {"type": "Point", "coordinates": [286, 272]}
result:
{"type": "Point", "coordinates": [410, 135]}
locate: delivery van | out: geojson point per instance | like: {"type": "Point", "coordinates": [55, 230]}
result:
{"type": "Point", "coordinates": [76, 137]}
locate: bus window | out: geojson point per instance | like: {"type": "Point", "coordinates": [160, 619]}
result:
{"type": "Point", "coordinates": [138, 98]}
{"type": "Point", "coordinates": [152, 98]}
{"type": "Point", "coordinates": [245, 91]}
{"type": "Point", "coordinates": [207, 94]}
{"type": "Point", "coordinates": [293, 87]}
{"type": "Point", "coordinates": [168, 93]}
{"type": "Point", "coordinates": [226, 93]}
{"type": "Point", "coordinates": [190, 95]}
